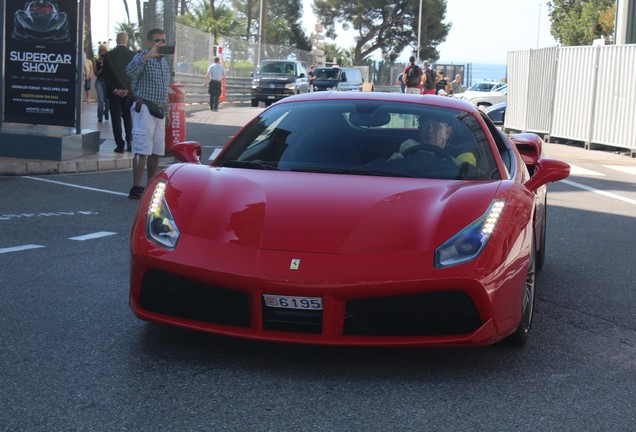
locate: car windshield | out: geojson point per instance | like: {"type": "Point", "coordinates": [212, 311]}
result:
{"type": "Point", "coordinates": [286, 68]}
{"type": "Point", "coordinates": [365, 137]}
{"type": "Point", "coordinates": [326, 74]}
{"type": "Point", "coordinates": [482, 86]}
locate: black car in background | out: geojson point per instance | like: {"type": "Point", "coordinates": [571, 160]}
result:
{"type": "Point", "coordinates": [277, 79]}
{"type": "Point", "coordinates": [497, 112]}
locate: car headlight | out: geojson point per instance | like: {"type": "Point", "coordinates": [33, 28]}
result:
{"type": "Point", "coordinates": [160, 225]}
{"type": "Point", "coordinates": [255, 83]}
{"type": "Point", "coordinates": [290, 86]}
{"type": "Point", "coordinates": [467, 244]}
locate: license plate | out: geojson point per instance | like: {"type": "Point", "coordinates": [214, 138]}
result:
{"type": "Point", "coordinates": [290, 302]}
{"type": "Point", "coordinates": [271, 97]}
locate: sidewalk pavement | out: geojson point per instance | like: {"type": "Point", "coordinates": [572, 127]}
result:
{"type": "Point", "coordinates": [228, 115]}
{"type": "Point", "coordinates": [105, 159]}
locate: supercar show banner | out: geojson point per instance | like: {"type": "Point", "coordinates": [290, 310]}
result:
{"type": "Point", "coordinates": [40, 62]}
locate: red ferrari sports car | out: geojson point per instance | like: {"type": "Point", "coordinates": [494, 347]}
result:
{"type": "Point", "coordinates": [346, 218]}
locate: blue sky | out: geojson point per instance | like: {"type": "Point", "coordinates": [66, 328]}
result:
{"type": "Point", "coordinates": [483, 31]}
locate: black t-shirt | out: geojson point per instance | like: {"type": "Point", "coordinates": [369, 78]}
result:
{"type": "Point", "coordinates": [440, 85]}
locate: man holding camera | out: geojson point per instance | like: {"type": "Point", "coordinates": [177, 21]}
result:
{"type": "Point", "coordinates": [150, 76]}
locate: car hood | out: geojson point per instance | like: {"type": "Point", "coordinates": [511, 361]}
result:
{"type": "Point", "coordinates": [322, 213]}
{"type": "Point", "coordinates": [471, 94]}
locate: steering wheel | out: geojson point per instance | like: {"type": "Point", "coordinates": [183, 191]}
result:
{"type": "Point", "coordinates": [428, 148]}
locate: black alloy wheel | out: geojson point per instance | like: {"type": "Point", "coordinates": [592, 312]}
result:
{"type": "Point", "coordinates": [520, 336]}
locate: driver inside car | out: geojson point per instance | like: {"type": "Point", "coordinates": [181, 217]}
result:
{"type": "Point", "coordinates": [432, 132]}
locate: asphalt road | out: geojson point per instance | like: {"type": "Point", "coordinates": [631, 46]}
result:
{"type": "Point", "coordinates": [74, 358]}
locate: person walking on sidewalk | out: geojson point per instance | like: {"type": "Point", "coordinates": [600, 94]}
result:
{"type": "Point", "coordinates": [215, 76]}
{"type": "Point", "coordinates": [429, 79]}
{"type": "Point", "coordinates": [149, 76]}
{"type": "Point", "coordinates": [88, 75]}
{"type": "Point", "coordinates": [412, 77]}
{"type": "Point", "coordinates": [118, 90]}
{"type": "Point", "coordinates": [100, 84]}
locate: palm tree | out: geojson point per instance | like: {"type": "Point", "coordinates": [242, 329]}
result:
{"type": "Point", "coordinates": [127, 11]}
{"type": "Point", "coordinates": [139, 13]}
{"type": "Point", "coordinates": [133, 32]}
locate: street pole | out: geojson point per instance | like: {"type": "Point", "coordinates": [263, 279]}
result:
{"type": "Point", "coordinates": [419, 32]}
{"type": "Point", "coordinates": [260, 34]}
{"type": "Point", "coordinates": [539, 25]}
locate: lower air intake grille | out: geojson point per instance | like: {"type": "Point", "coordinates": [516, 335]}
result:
{"type": "Point", "coordinates": [428, 314]}
{"type": "Point", "coordinates": [292, 320]}
{"type": "Point", "coordinates": [172, 295]}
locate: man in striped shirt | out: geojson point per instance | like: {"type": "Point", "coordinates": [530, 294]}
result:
{"type": "Point", "coordinates": [149, 77]}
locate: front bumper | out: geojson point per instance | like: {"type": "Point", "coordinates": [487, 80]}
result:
{"type": "Point", "coordinates": [271, 93]}
{"type": "Point", "coordinates": [408, 312]}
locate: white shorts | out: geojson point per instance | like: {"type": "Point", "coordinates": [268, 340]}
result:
{"type": "Point", "coordinates": [148, 132]}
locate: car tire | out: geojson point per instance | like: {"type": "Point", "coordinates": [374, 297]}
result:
{"type": "Point", "coordinates": [268, 103]}
{"type": "Point", "coordinates": [254, 103]}
{"type": "Point", "coordinates": [520, 336]}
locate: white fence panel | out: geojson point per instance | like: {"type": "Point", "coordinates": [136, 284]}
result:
{"type": "Point", "coordinates": [518, 76]}
{"type": "Point", "coordinates": [541, 80]}
{"type": "Point", "coordinates": [585, 94]}
{"type": "Point", "coordinates": [574, 95]}
{"type": "Point", "coordinates": [614, 119]}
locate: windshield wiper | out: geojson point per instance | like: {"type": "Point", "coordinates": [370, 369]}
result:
{"type": "Point", "coordinates": [379, 173]}
{"type": "Point", "coordinates": [353, 171]}
{"type": "Point", "coordinates": [322, 170]}
{"type": "Point", "coordinates": [248, 164]}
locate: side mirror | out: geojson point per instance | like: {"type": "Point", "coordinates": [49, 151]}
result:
{"type": "Point", "coordinates": [546, 171]}
{"type": "Point", "coordinates": [187, 151]}
{"type": "Point", "coordinates": [529, 145]}
{"type": "Point", "coordinates": [252, 74]}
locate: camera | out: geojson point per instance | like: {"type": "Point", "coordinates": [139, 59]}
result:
{"type": "Point", "coordinates": [166, 49]}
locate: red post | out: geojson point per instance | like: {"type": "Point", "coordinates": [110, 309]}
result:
{"type": "Point", "coordinates": [223, 91]}
{"type": "Point", "coordinates": [176, 121]}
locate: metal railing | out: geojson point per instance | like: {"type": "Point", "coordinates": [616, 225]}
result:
{"type": "Point", "coordinates": [237, 88]}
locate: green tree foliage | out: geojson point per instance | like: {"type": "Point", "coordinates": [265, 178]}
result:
{"type": "Point", "coordinates": [133, 32]}
{"type": "Point", "coordinates": [281, 19]}
{"type": "Point", "coordinates": [576, 22]}
{"type": "Point", "coordinates": [607, 20]}
{"type": "Point", "coordinates": [334, 54]}
{"type": "Point", "coordinates": [290, 32]}
{"type": "Point", "coordinates": [387, 26]}
{"type": "Point", "coordinates": [222, 22]}
{"type": "Point", "coordinates": [248, 10]}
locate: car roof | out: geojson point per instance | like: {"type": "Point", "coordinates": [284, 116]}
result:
{"type": "Point", "coordinates": [433, 100]}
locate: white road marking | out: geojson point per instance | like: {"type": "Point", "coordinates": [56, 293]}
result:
{"type": "Point", "coordinates": [93, 236]}
{"type": "Point", "coordinates": [76, 186]}
{"type": "Point", "coordinates": [626, 169]}
{"type": "Point", "coordinates": [580, 171]}
{"type": "Point", "coordinates": [600, 192]}
{"type": "Point", "coordinates": [20, 248]}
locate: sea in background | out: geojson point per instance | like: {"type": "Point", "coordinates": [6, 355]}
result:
{"type": "Point", "coordinates": [484, 72]}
